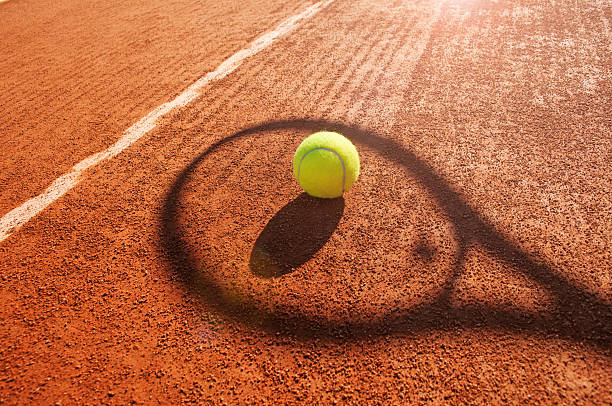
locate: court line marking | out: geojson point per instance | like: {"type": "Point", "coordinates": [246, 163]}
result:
{"type": "Point", "coordinates": [17, 217]}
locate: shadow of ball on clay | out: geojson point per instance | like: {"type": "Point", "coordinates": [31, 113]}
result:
{"type": "Point", "coordinates": [294, 235]}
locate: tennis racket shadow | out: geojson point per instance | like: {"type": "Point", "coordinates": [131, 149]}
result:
{"type": "Point", "coordinates": [294, 235]}
{"type": "Point", "coordinates": [580, 315]}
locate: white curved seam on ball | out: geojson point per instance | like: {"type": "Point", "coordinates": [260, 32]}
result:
{"type": "Point", "coordinates": [330, 150]}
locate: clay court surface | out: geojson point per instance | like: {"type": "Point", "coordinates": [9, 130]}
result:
{"type": "Point", "coordinates": [470, 263]}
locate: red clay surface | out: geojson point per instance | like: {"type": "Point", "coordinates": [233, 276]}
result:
{"type": "Point", "coordinates": [470, 263]}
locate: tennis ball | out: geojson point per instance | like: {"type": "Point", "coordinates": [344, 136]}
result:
{"type": "Point", "coordinates": [326, 164]}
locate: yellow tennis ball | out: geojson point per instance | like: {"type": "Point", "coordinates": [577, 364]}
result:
{"type": "Point", "coordinates": [326, 164]}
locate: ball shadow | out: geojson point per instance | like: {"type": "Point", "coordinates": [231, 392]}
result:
{"type": "Point", "coordinates": [297, 232]}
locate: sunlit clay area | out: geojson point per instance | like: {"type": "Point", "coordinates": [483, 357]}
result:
{"type": "Point", "coordinates": [288, 202]}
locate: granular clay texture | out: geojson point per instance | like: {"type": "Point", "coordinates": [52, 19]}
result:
{"type": "Point", "coordinates": [469, 264]}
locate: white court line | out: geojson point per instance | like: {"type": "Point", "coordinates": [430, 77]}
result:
{"type": "Point", "coordinates": [17, 217]}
